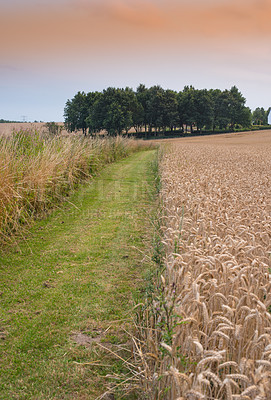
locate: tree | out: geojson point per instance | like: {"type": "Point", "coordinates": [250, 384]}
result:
{"type": "Point", "coordinates": [169, 110]}
{"type": "Point", "coordinates": [116, 110]}
{"type": "Point", "coordinates": [245, 118]}
{"type": "Point", "coordinates": [155, 108]}
{"type": "Point", "coordinates": [114, 121]}
{"type": "Point", "coordinates": [75, 113]}
{"type": "Point", "coordinates": [260, 116]}
{"type": "Point", "coordinates": [54, 128]}
{"type": "Point", "coordinates": [142, 95]}
{"type": "Point", "coordinates": [236, 110]}
{"type": "Point", "coordinates": [113, 111]}
{"type": "Point", "coordinates": [186, 106]}
{"type": "Point", "coordinates": [130, 107]}
{"type": "Point", "coordinates": [202, 108]}
{"type": "Point", "coordinates": [220, 103]}
{"type": "Point", "coordinates": [181, 110]}
{"type": "Point", "coordinates": [138, 117]}
{"type": "Point", "coordinates": [92, 123]}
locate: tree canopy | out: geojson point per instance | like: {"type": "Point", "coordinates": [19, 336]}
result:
{"type": "Point", "coordinates": [260, 116]}
{"type": "Point", "coordinates": [154, 109]}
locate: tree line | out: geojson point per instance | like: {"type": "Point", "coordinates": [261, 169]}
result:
{"type": "Point", "coordinates": [5, 121]}
{"type": "Point", "coordinates": [153, 110]}
{"type": "Point", "coordinates": [260, 116]}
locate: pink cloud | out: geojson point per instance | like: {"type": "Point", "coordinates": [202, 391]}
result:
{"type": "Point", "coordinates": [104, 25]}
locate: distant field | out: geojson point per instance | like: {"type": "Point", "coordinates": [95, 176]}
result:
{"type": "Point", "coordinates": [210, 337]}
{"type": "Point", "coordinates": [7, 128]}
{"type": "Point", "coordinates": [248, 137]}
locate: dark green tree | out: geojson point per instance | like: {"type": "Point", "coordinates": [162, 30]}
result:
{"type": "Point", "coordinates": [155, 108]}
{"type": "Point", "coordinates": [115, 119]}
{"type": "Point", "coordinates": [131, 109]}
{"type": "Point", "coordinates": [75, 113]}
{"type": "Point", "coordinates": [236, 110]}
{"type": "Point", "coordinates": [186, 107]}
{"type": "Point", "coordinates": [203, 108]}
{"type": "Point", "coordinates": [220, 103]}
{"type": "Point", "coordinates": [142, 95]}
{"type": "Point", "coordinates": [113, 111]}
{"type": "Point", "coordinates": [260, 116]}
{"type": "Point", "coordinates": [117, 110]}
{"type": "Point", "coordinates": [169, 110]}
{"type": "Point", "coordinates": [53, 128]}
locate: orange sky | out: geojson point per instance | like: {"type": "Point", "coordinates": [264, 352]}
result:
{"type": "Point", "coordinates": [83, 24]}
{"type": "Point", "coordinates": [225, 41]}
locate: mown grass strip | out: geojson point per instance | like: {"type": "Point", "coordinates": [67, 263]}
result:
{"type": "Point", "coordinates": [37, 171]}
{"type": "Point", "coordinates": [66, 288]}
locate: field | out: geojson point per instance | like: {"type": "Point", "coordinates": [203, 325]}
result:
{"type": "Point", "coordinates": [8, 128]}
{"type": "Point", "coordinates": [203, 330]}
{"type": "Point", "coordinates": [209, 322]}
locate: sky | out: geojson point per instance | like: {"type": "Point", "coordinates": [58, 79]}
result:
{"type": "Point", "coordinates": [51, 49]}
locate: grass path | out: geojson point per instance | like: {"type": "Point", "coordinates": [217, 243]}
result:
{"type": "Point", "coordinates": [64, 289]}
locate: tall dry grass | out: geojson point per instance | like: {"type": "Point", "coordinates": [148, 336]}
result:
{"type": "Point", "coordinates": [38, 170]}
{"type": "Point", "coordinates": [207, 330]}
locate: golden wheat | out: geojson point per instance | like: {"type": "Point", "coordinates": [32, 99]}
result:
{"type": "Point", "coordinates": [215, 297]}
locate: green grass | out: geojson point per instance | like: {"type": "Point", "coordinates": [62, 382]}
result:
{"type": "Point", "coordinates": [37, 171]}
{"type": "Point", "coordinates": [75, 273]}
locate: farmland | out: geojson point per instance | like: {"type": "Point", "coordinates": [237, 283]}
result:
{"type": "Point", "coordinates": [8, 128]}
{"type": "Point", "coordinates": [208, 325]}
{"type": "Point", "coordinates": [202, 321]}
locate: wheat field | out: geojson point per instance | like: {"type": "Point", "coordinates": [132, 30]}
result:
{"type": "Point", "coordinates": [208, 330]}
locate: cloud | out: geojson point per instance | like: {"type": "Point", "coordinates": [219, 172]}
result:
{"type": "Point", "coordinates": [92, 26]}
{"type": "Point", "coordinates": [8, 68]}
{"type": "Point", "coordinates": [137, 13]}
